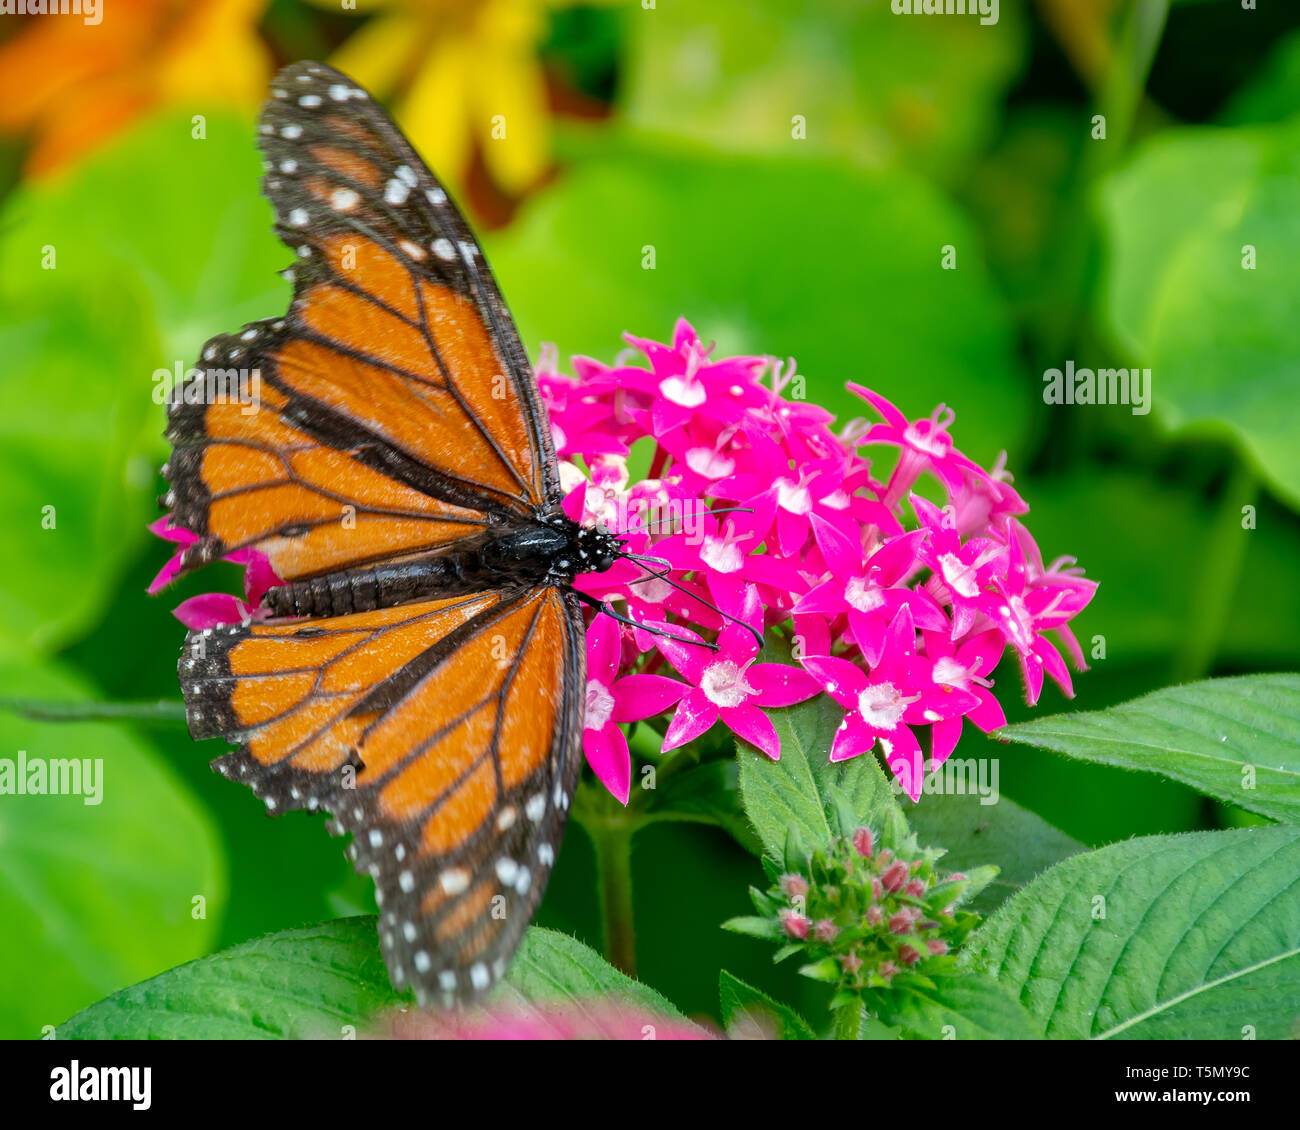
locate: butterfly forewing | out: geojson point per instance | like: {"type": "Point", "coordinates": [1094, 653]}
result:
{"type": "Point", "coordinates": [398, 395]}
{"type": "Point", "coordinates": [390, 411]}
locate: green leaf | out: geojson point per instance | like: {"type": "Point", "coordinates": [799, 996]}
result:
{"type": "Point", "coordinates": [1222, 341]}
{"type": "Point", "coordinates": [754, 927]}
{"type": "Point", "coordinates": [827, 970]}
{"type": "Point", "coordinates": [76, 482]}
{"type": "Point", "coordinates": [973, 833]}
{"type": "Point", "coordinates": [1194, 936]}
{"type": "Point", "coordinates": [796, 796]}
{"type": "Point", "coordinates": [747, 1011]}
{"type": "Point", "coordinates": [312, 982]}
{"type": "Point", "coordinates": [1273, 94]}
{"type": "Point", "coordinates": [1236, 739]}
{"type": "Point", "coordinates": [704, 794]}
{"type": "Point", "coordinates": [103, 892]}
{"type": "Point", "coordinates": [1141, 612]}
{"type": "Point", "coordinates": [738, 88]}
{"type": "Point", "coordinates": [968, 1007]}
{"type": "Point", "coordinates": [554, 968]}
{"type": "Point", "coordinates": [327, 981]}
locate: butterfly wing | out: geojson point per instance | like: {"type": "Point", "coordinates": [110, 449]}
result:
{"type": "Point", "coordinates": [444, 735]}
{"type": "Point", "coordinates": [392, 408]}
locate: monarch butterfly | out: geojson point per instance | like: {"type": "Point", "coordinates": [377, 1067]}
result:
{"type": "Point", "coordinates": [421, 676]}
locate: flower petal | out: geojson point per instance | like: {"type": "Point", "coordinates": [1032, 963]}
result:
{"type": "Point", "coordinates": [608, 756]}
{"type": "Point", "coordinates": [211, 610]}
{"type": "Point", "coordinates": [604, 646]}
{"type": "Point", "coordinates": [843, 680]}
{"type": "Point", "coordinates": [778, 684]}
{"type": "Point", "coordinates": [754, 726]}
{"type": "Point", "coordinates": [854, 737]}
{"type": "Point", "coordinates": [695, 714]}
{"type": "Point", "coordinates": [643, 696]}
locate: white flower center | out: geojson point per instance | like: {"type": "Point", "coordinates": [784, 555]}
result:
{"type": "Point", "coordinates": [949, 673]}
{"type": "Point", "coordinates": [882, 704]}
{"type": "Point", "coordinates": [960, 576]}
{"type": "Point", "coordinates": [932, 441]}
{"type": "Point", "coordinates": [654, 591]}
{"type": "Point", "coordinates": [687, 392]}
{"type": "Point", "coordinates": [793, 496]}
{"type": "Point", "coordinates": [600, 705]}
{"type": "Point", "coordinates": [721, 554]}
{"type": "Point", "coordinates": [724, 684]}
{"type": "Point", "coordinates": [931, 436]}
{"type": "Point", "coordinates": [862, 595]}
{"type": "Point", "coordinates": [712, 464]}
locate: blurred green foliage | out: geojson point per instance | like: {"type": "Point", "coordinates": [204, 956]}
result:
{"type": "Point", "coordinates": [920, 133]}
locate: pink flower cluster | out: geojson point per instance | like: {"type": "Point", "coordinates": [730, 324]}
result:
{"type": "Point", "coordinates": [899, 580]}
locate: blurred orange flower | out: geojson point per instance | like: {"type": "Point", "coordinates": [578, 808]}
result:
{"type": "Point", "coordinates": [69, 86]}
{"type": "Point", "coordinates": [461, 75]}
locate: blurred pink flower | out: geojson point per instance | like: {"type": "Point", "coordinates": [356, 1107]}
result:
{"type": "Point", "coordinates": [589, 1020]}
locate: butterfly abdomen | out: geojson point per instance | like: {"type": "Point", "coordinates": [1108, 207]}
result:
{"type": "Point", "coordinates": [520, 555]}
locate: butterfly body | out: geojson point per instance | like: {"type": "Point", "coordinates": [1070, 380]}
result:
{"type": "Point", "coordinates": [550, 550]}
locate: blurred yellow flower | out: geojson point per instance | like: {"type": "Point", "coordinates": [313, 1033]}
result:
{"type": "Point", "coordinates": [69, 86]}
{"type": "Point", "coordinates": [461, 76]}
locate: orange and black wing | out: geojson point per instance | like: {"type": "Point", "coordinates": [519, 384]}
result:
{"type": "Point", "coordinates": [392, 408]}
{"type": "Point", "coordinates": [444, 735]}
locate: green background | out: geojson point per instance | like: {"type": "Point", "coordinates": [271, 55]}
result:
{"type": "Point", "coordinates": [920, 134]}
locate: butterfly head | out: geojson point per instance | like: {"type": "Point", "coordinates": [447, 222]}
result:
{"type": "Point", "coordinates": [596, 548]}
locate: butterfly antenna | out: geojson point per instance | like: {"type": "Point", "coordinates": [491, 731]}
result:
{"type": "Point", "coordinates": [608, 610]}
{"type": "Point", "coordinates": [723, 510]}
{"type": "Point", "coordinates": [652, 574]}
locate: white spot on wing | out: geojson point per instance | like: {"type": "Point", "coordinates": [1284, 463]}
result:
{"type": "Point", "coordinates": [455, 880]}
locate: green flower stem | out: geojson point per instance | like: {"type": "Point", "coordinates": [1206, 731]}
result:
{"type": "Point", "coordinates": [1224, 553]}
{"type": "Point", "coordinates": [52, 711]}
{"type": "Point", "coordinates": [611, 828]}
{"type": "Point", "coordinates": [847, 1021]}
{"type": "Point", "coordinates": [614, 870]}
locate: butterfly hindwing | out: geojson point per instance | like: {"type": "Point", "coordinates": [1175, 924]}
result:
{"type": "Point", "coordinates": [455, 790]}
